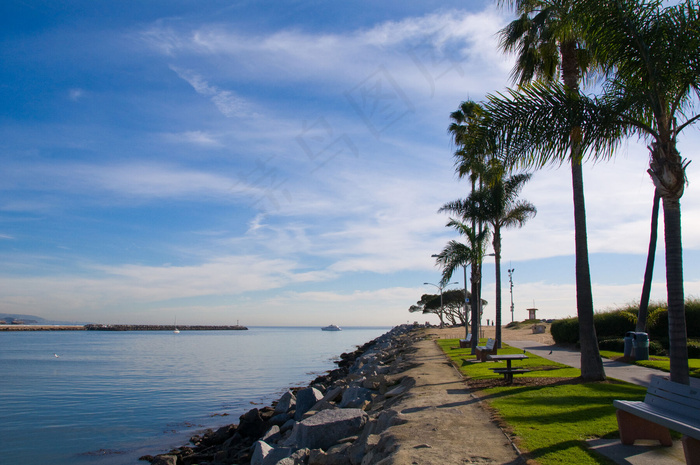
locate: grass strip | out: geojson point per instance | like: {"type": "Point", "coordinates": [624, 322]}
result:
{"type": "Point", "coordinates": [655, 361]}
{"type": "Point", "coordinates": [551, 419]}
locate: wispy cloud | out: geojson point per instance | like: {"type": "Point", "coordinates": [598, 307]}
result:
{"type": "Point", "coordinates": [228, 103]}
{"type": "Point", "coordinates": [200, 138]}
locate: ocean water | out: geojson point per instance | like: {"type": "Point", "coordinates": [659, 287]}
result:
{"type": "Point", "coordinates": [111, 397]}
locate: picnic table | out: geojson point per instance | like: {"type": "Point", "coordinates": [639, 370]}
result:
{"type": "Point", "coordinates": [508, 371]}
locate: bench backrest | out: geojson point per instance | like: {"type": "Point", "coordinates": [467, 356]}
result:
{"type": "Point", "coordinates": [490, 344]}
{"type": "Point", "coordinates": [469, 337]}
{"type": "Point", "coordinates": [677, 398]}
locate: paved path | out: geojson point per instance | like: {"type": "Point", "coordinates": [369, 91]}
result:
{"type": "Point", "coordinates": [623, 371]}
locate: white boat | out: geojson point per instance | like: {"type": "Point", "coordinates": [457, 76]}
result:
{"type": "Point", "coordinates": [177, 331]}
{"type": "Point", "coordinates": [331, 328]}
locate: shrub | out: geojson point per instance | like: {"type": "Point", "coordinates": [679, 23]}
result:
{"type": "Point", "coordinates": [613, 344]}
{"type": "Point", "coordinates": [692, 317]}
{"type": "Point", "coordinates": [614, 324]}
{"type": "Point", "coordinates": [693, 349]}
{"type": "Point", "coordinates": [565, 331]}
{"type": "Point", "coordinates": [657, 324]}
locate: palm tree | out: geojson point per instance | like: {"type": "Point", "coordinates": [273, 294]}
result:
{"type": "Point", "coordinates": [643, 312]}
{"type": "Point", "coordinates": [471, 161]}
{"type": "Point", "coordinates": [456, 254]}
{"type": "Point", "coordinates": [653, 58]}
{"type": "Point", "coordinates": [547, 43]}
{"type": "Point", "coordinates": [652, 89]}
{"type": "Point", "coordinates": [496, 204]}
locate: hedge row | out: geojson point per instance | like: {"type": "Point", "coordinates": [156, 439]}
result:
{"type": "Point", "coordinates": [614, 324]}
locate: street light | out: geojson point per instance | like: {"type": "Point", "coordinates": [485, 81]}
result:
{"type": "Point", "coordinates": [440, 287]}
{"type": "Point", "coordinates": [466, 299]}
{"type": "Point", "coordinates": [512, 307]}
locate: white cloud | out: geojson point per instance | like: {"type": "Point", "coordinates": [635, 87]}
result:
{"type": "Point", "coordinates": [200, 138]}
{"type": "Point", "coordinates": [226, 101]}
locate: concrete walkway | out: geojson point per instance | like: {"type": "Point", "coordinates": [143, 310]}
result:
{"type": "Point", "coordinates": [623, 371]}
{"type": "Point", "coordinates": [638, 454]}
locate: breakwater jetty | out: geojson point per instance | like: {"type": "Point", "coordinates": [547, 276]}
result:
{"type": "Point", "coordinates": [336, 420]}
{"type": "Point", "coordinates": [93, 327]}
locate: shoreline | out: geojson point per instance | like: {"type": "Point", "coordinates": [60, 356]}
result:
{"type": "Point", "coordinates": [396, 400]}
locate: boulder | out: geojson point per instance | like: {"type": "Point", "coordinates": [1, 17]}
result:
{"type": "Point", "coordinates": [306, 398]}
{"type": "Point", "coordinates": [336, 455]}
{"type": "Point", "coordinates": [165, 460]}
{"type": "Point", "coordinates": [326, 428]}
{"type": "Point", "coordinates": [251, 424]}
{"type": "Point", "coordinates": [334, 394]}
{"type": "Point", "coordinates": [273, 435]}
{"type": "Point", "coordinates": [265, 454]}
{"type": "Point", "coordinates": [286, 403]}
{"type": "Point", "coordinates": [355, 397]}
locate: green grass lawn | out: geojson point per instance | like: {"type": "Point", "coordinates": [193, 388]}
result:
{"type": "Point", "coordinates": [658, 362]}
{"type": "Point", "coordinates": [551, 422]}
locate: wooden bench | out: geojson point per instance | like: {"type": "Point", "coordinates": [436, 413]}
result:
{"type": "Point", "coordinates": [667, 405]}
{"type": "Point", "coordinates": [466, 342]}
{"type": "Point", "coordinates": [483, 351]}
{"type": "Point", "coordinates": [509, 372]}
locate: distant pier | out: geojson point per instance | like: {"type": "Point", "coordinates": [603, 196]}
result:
{"type": "Point", "coordinates": [164, 328]}
{"type": "Point", "coordinates": [92, 327]}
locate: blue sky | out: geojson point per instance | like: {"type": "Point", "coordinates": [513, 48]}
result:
{"type": "Point", "coordinates": [275, 163]}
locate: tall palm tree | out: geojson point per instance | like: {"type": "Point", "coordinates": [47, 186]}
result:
{"type": "Point", "coordinates": [456, 254]}
{"type": "Point", "coordinates": [643, 312]}
{"type": "Point", "coordinates": [497, 204]}
{"type": "Point", "coordinates": [652, 90]}
{"type": "Point", "coordinates": [471, 161]}
{"type": "Point", "coordinates": [653, 57]}
{"type": "Point", "coordinates": [547, 43]}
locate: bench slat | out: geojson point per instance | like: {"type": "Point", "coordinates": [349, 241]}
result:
{"type": "Point", "coordinates": [671, 420]}
{"type": "Point", "coordinates": [673, 403]}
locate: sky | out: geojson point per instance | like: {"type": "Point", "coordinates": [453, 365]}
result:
{"type": "Point", "coordinates": [278, 163]}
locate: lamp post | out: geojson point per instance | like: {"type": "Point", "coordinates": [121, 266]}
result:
{"type": "Point", "coordinates": [512, 306]}
{"type": "Point", "coordinates": [466, 299]}
{"type": "Point", "coordinates": [441, 287]}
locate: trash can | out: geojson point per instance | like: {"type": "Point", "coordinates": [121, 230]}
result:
{"type": "Point", "coordinates": [629, 337]}
{"type": "Point", "coordinates": [641, 346]}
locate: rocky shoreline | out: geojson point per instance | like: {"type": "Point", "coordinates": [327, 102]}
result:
{"type": "Point", "coordinates": [333, 421]}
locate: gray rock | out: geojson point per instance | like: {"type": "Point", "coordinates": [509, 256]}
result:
{"type": "Point", "coordinates": [288, 425]}
{"type": "Point", "coordinates": [306, 398]}
{"type": "Point", "coordinates": [334, 394]}
{"type": "Point", "coordinates": [264, 454]}
{"type": "Point", "coordinates": [336, 455]}
{"type": "Point", "coordinates": [299, 457]}
{"type": "Point", "coordinates": [286, 403]}
{"type": "Point", "coordinates": [273, 435]}
{"type": "Point", "coordinates": [326, 428]}
{"type": "Point", "coordinates": [165, 460]}
{"type": "Point", "coordinates": [355, 397]}
{"type": "Point", "coordinates": [280, 419]}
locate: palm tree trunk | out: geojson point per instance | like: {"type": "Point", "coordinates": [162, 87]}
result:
{"type": "Point", "coordinates": [591, 362]}
{"type": "Point", "coordinates": [476, 300]}
{"type": "Point", "coordinates": [677, 335]}
{"type": "Point", "coordinates": [649, 270]}
{"type": "Point", "coordinates": [466, 309]}
{"type": "Point", "coordinates": [497, 251]}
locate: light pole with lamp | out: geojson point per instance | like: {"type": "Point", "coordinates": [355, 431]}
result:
{"type": "Point", "coordinates": [466, 299]}
{"type": "Point", "coordinates": [512, 306]}
{"type": "Point", "coordinates": [441, 287]}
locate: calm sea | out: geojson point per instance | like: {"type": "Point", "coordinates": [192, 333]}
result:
{"type": "Point", "coordinates": [110, 397]}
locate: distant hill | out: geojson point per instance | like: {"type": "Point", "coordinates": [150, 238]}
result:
{"type": "Point", "coordinates": [28, 319]}
{"type": "Point", "coordinates": [9, 318]}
